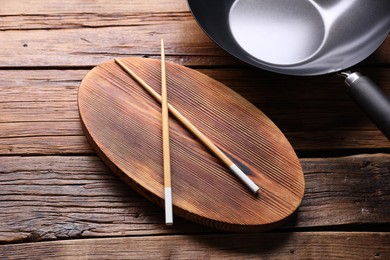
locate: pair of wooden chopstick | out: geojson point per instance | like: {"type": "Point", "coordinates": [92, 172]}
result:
{"type": "Point", "coordinates": [163, 99]}
{"type": "Point", "coordinates": [167, 107]}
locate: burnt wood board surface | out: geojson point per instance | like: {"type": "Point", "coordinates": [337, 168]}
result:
{"type": "Point", "coordinates": [123, 122]}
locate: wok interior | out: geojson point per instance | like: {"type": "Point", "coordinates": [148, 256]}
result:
{"type": "Point", "coordinates": [277, 31]}
{"type": "Point", "coordinates": [296, 37]}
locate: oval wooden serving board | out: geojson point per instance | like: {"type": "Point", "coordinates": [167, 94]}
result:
{"type": "Point", "coordinates": [123, 123]}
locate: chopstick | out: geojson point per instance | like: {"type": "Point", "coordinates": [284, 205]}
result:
{"type": "Point", "coordinates": [214, 149]}
{"type": "Point", "coordinates": [165, 134]}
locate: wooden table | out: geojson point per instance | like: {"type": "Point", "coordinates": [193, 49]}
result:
{"type": "Point", "coordinates": [59, 199]}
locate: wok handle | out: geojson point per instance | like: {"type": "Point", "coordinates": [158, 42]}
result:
{"type": "Point", "coordinates": [371, 99]}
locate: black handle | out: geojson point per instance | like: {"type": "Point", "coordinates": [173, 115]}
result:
{"type": "Point", "coordinates": [371, 99]}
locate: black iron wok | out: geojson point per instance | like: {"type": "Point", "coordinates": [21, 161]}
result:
{"type": "Point", "coordinates": [304, 37]}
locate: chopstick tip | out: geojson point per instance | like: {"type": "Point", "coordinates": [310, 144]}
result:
{"type": "Point", "coordinates": [245, 179]}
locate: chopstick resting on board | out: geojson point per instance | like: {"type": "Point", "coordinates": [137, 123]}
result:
{"type": "Point", "coordinates": [165, 134]}
{"type": "Point", "coordinates": [214, 149]}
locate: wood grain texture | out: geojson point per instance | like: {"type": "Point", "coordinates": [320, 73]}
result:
{"type": "Point", "coordinates": [38, 110]}
{"type": "Point", "coordinates": [58, 197]}
{"type": "Point", "coordinates": [190, 127]}
{"type": "Point", "coordinates": [123, 123]}
{"type": "Point", "coordinates": [303, 245]}
{"type": "Point", "coordinates": [89, 47]}
{"type": "Point", "coordinates": [53, 187]}
{"type": "Point", "coordinates": [47, 7]}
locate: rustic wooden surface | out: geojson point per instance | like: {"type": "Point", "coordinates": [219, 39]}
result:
{"type": "Point", "coordinates": [55, 190]}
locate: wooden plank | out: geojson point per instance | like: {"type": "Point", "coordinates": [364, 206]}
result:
{"type": "Point", "coordinates": [65, 197]}
{"type": "Point", "coordinates": [100, 18]}
{"type": "Point", "coordinates": [55, 197]}
{"type": "Point", "coordinates": [311, 111]}
{"type": "Point", "coordinates": [39, 113]}
{"type": "Point", "coordinates": [45, 7]}
{"type": "Point", "coordinates": [89, 46]}
{"type": "Point", "coordinates": [303, 245]}
{"type": "Point", "coordinates": [345, 190]}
